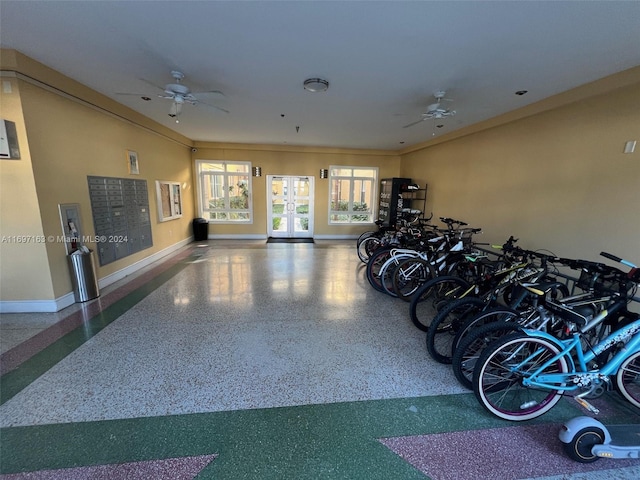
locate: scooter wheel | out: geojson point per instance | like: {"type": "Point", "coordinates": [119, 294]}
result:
{"type": "Point", "coordinates": [581, 444]}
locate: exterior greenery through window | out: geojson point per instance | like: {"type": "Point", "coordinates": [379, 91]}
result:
{"type": "Point", "coordinates": [225, 191]}
{"type": "Point", "coordinates": [352, 194]}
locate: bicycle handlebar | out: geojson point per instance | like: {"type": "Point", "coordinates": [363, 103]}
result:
{"type": "Point", "coordinates": [618, 259]}
{"type": "Point", "coordinates": [451, 221]}
{"type": "Point", "coordinates": [634, 273]}
{"type": "Point", "coordinates": [586, 264]}
{"type": "Point", "coordinates": [610, 257]}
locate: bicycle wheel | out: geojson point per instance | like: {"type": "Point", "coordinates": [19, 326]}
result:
{"type": "Point", "coordinates": [468, 352]}
{"type": "Point", "coordinates": [426, 300]}
{"type": "Point", "coordinates": [446, 324]}
{"type": "Point", "coordinates": [628, 379]}
{"type": "Point", "coordinates": [409, 276]}
{"type": "Point", "coordinates": [374, 265]}
{"type": "Point", "coordinates": [501, 369]}
{"type": "Point", "coordinates": [386, 276]}
{"type": "Point", "coordinates": [367, 246]}
{"type": "Point", "coordinates": [487, 315]}
{"type": "Point", "coordinates": [363, 235]}
{"type": "Point", "coordinates": [387, 271]}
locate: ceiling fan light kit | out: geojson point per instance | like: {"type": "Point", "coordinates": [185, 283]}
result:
{"type": "Point", "coordinates": [316, 85]}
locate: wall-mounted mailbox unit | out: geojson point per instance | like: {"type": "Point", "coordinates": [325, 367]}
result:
{"type": "Point", "coordinates": [120, 208]}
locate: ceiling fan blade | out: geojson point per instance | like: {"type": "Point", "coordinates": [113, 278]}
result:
{"type": "Point", "coordinates": [210, 92]}
{"type": "Point", "coordinates": [152, 84]}
{"type": "Point", "coordinates": [416, 122]}
{"type": "Point", "coordinates": [212, 106]}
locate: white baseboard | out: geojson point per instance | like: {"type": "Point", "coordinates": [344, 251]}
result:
{"type": "Point", "coordinates": [260, 236]}
{"type": "Point", "coordinates": [145, 262]}
{"type": "Point", "coordinates": [249, 236]}
{"type": "Point", "coordinates": [36, 306]}
{"type": "Point", "coordinates": [49, 306]}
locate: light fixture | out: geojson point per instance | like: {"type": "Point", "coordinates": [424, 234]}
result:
{"type": "Point", "coordinates": [256, 171]}
{"type": "Point", "coordinates": [316, 85]}
{"type": "Point", "coordinates": [324, 173]}
{"type": "Point", "coordinates": [176, 108]}
{"type": "Point", "coordinates": [630, 146]}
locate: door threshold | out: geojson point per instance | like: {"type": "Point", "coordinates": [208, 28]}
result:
{"type": "Point", "coordinates": [289, 240]}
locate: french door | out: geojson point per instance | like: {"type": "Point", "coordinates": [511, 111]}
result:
{"type": "Point", "coordinates": [290, 206]}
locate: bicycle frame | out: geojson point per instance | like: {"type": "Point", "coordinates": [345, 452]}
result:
{"type": "Point", "coordinates": [567, 381]}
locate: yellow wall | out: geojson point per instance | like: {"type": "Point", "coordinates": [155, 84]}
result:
{"type": "Point", "coordinates": [98, 148]}
{"type": "Point", "coordinates": [307, 161]}
{"type": "Point", "coordinates": [67, 135]}
{"type": "Point", "coordinates": [557, 180]}
{"type": "Point", "coordinates": [24, 270]}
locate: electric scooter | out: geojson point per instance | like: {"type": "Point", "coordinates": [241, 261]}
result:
{"type": "Point", "coordinates": [586, 440]}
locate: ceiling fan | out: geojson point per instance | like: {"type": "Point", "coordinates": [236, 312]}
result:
{"type": "Point", "coordinates": [181, 94]}
{"type": "Point", "coordinates": [435, 110]}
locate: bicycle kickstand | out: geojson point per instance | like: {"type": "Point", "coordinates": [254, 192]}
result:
{"type": "Point", "coordinates": [586, 405]}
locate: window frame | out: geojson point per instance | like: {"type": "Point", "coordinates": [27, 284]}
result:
{"type": "Point", "coordinates": [352, 179]}
{"type": "Point", "coordinates": [225, 174]}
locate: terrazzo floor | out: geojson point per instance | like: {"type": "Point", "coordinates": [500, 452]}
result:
{"type": "Point", "coordinates": [247, 360]}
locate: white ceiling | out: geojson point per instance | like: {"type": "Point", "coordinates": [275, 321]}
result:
{"type": "Point", "coordinates": [383, 59]}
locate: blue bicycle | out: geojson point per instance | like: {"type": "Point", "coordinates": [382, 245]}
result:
{"type": "Point", "coordinates": [524, 375]}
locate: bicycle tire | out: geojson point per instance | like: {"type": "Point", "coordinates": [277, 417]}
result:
{"type": "Point", "coordinates": [388, 268]}
{"type": "Point", "coordinates": [628, 379]}
{"type": "Point", "coordinates": [373, 267]}
{"type": "Point", "coordinates": [367, 247]}
{"type": "Point", "coordinates": [387, 272]}
{"type": "Point", "coordinates": [485, 316]}
{"type": "Point", "coordinates": [410, 274]}
{"type": "Point", "coordinates": [499, 388]}
{"type": "Point", "coordinates": [466, 356]}
{"type": "Point", "coordinates": [446, 324]}
{"type": "Point", "coordinates": [425, 301]}
{"type": "Point", "coordinates": [363, 235]}
{"type": "Point", "coordinates": [386, 278]}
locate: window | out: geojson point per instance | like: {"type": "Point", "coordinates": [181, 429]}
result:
{"type": "Point", "coordinates": [352, 194]}
{"type": "Point", "coordinates": [225, 191]}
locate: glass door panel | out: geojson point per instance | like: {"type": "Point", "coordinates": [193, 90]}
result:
{"type": "Point", "coordinates": [290, 204]}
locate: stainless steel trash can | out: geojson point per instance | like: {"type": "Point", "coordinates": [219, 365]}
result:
{"type": "Point", "coordinates": [83, 276]}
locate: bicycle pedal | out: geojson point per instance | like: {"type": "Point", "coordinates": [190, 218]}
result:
{"type": "Point", "coordinates": [586, 405]}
